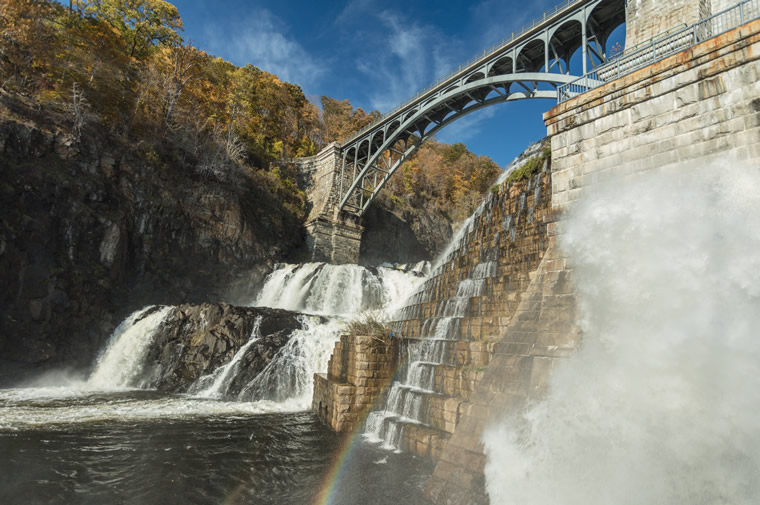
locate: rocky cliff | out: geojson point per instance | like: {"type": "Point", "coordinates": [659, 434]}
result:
{"type": "Point", "coordinates": [407, 234]}
{"type": "Point", "coordinates": [92, 230]}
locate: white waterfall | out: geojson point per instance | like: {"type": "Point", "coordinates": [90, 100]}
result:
{"type": "Point", "coordinates": [216, 384]}
{"type": "Point", "coordinates": [340, 293]}
{"type": "Point", "coordinates": [342, 290]}
{"type": "Point", "coordinates": [289, 377]}
{"type": "Point", "coordinates": [121, 364]}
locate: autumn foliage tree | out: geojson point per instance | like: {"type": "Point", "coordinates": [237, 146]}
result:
{"type": "Point", "coordinates": [442, 177]}
{"type": "Point", "coordinates": [122, 66]}
{"type": "Point", "coordinates": [341, 119]}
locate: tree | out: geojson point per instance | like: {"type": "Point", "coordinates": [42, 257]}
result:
{"type": "Point", "coordinates": [26, 41]}
{"type": "Point", "coordinates": [341, 119]}
{"type": "Point", "coordinates": [183, 61]}
{"type": "Point", "coordinates": [142, 23]}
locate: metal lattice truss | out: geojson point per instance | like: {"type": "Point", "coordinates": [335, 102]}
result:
{"type": "Point", "coordinates": [530, 64]}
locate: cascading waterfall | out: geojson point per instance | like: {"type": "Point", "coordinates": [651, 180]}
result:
{"type": "Point", "coordinates": [216, 384]}
{"type": "Point", "coordinates": [336, 292]}
{"type": "Point", "coordinates": [319, 288]}
{"type": "Point", "coordinates": [121, 364]}
{"type": "Point", "coordinates": [340, 292]}
{"type": "Point", "coordinates": [659, 405]}
{"type": "Point", "coordinates": [289, 377]}
{"type": "Point", "coordinates": [406, 401]}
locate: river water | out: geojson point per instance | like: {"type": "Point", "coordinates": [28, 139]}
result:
{"type": "Point", "coordinates": [103, 439]}
{"type": "Point", "coordinates": [143, 447]}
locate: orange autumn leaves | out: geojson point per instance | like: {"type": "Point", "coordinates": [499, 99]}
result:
{"type": "Point", "coordinates": [123, 65]}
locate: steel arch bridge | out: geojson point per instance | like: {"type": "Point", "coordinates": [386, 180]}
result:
{"type": "Point", "coordinates": [512, 70]}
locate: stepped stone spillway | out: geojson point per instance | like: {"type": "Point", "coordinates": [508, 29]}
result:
{"type": "Point", "coordinates": [448, 330]}
{"type": "Point", "coordinates": [451, 326]}
{"type": "Point", "coordinates": [489, 341]}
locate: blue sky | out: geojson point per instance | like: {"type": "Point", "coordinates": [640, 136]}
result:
{"type": "Point", "coordinates": [376, 53]}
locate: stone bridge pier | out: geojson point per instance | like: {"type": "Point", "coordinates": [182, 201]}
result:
{"type": "Point", "coordinates": [332, 235]}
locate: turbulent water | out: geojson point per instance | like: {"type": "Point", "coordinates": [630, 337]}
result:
{"type": "Point", "coordinates": [659, 406]}
{"type": "Point", "coordinates": [104, 439]}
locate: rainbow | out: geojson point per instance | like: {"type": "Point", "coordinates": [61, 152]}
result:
{"type": "Point", "coordinates": [342, 461]}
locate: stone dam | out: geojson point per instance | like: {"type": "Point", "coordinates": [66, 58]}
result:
{"type": "Point", "coordinates": [479, 340]}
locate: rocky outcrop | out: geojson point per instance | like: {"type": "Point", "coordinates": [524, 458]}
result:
{"type": "Point", "coordinates": [410, 235]}
{"type": "Point", "coordinates": [92, 230]}
{"type": "Point", "coordinates": [196, 340]}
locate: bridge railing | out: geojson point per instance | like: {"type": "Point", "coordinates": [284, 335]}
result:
{"type": "Point", "coordinates": [486, 52]}
{"type": "Point", "coordinates": [662, 47]}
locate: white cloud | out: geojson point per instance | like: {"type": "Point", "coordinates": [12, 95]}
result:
{"type": "Point", "coordinates": [410, 57]}
{"type": "Point", "coordinates": [497, 20]}
{"type": "Point", "coordinates": [263, 41]}
{"type": "Point", "coordinates": [352, 10]}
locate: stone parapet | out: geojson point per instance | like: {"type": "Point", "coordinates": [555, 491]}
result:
{"type": "Point", "coordinates": [699, 106]}
{"type": "Point", "coordinates": [359, 371]}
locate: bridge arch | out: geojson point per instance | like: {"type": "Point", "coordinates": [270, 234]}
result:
{"type": "Point", "coordinates": [529, 66]}
{"type": "Point", "coordinates": [438, 114]}
{"type": "Point", "coordinates": [504, 65]}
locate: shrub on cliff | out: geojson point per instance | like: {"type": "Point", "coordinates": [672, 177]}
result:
{"type": "Point", "coordinates": [368, 326]}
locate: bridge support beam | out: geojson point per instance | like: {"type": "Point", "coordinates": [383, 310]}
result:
{"type": "Point", "coordinates": [332, 236]}
{"type": "Point", "coordinates": [335, 241]}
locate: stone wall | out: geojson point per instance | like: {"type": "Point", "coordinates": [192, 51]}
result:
{"type": "Point", "coordinates": [646, 19]}
{"type": "Point", "coordinates": [513, 226]}
{"type": "Point", "coordinates": [331, 236]}
{"type": "Point", "coordinates": [336, 241]}
{"type": "Point", "coordinates": [509, 236]}
{"type": "Point", "coordinates": [699, 106]}
{"type": "Point", "coordinates": [541, 330]}
{"type": "Point", "coordinates": [360, 369]}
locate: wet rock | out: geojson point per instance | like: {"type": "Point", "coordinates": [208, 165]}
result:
{"type": "Point", "coordinates": [408, 236]}
{"type": "Point", "coordinates": [195, 340]}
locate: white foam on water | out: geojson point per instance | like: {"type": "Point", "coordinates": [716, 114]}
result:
{"type": "Point", "coordinates": [50, 408]}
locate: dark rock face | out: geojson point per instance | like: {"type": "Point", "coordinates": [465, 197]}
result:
{"type": "Point", "coordinates": [90, 232]}
{"type": "Point", "coordinates": [195, 340]}
{"type": "Point", "coordinates": [408, 236]}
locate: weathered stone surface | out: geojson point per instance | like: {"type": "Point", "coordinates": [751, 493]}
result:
{"type": "Point", "coordinates": [514, 222]}
{"type": "Point", "coordinates": [515, 375]}
{"type": "Point", "coordinates": [195, 340]}
{"type": "Point", "coordinates": [335, 240]}
{"type": "Point", "coordinates": [646, 19]}
{"type": "Point", "coordinates": [359, 371]}
{"type": "Point", "coordinates": [693, 107]}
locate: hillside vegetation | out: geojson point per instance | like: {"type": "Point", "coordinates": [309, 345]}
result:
{"type": "Point", "coordinates": [122, 66]}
